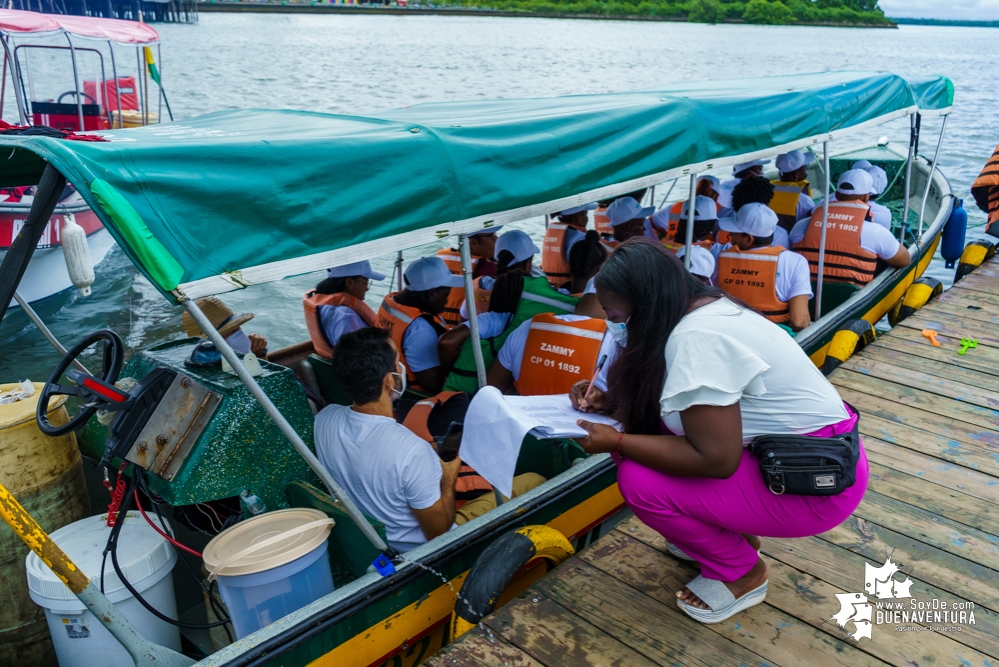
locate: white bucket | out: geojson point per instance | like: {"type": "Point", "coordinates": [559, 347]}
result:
{"type": "Point", "coordinates": [147, 561]}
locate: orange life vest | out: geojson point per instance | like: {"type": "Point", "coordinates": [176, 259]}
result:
{"type": "Point", "coordinates": [601, 222]}
{"type": "Point", "coordinates": [470, 484]}
{"type": "Point", "coordinates": [985, 190]}
{"type": "Point", "coordinates": [751, 275]}
{"type": "Point", "coordinates": [452, 311]}
{"type": "Point", "coordinates": [675, 212]}
{"type": "Point", "coordinates": [609, 244]}
{"type": "Point", "coordinates": [785, 201]}
{"type": "Point", "coordinates": [553, 261]}
{"type": "Point", "coordinates": [311, 302]}
{"type": "Point", "coordinates": [846, 261]}
{"type": "Point", "coordinates": [674, 246]}
{"type": "Point", "coordinates": [396, 317]}
{"type": "Point", "coordinates": [558, 354]}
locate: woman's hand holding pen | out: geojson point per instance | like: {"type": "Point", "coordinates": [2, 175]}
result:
{"type": "Point", "coordinates": [586, 399]}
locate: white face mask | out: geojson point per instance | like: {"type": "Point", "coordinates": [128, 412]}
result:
{"type": "Point", "coordinates": [618, 331]}
{"type": "Point", "coordinates": [396, 394]}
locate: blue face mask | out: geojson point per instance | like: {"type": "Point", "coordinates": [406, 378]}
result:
{"type": "Point", "coordinates": [618, 331]}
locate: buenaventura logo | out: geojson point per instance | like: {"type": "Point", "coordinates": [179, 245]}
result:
{"type": "Point", "coordinates": [895, 605]}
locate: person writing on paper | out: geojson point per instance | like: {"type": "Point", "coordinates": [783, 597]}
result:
{"type": "Point", "coordinates": [696, 378]}
{"type": "Point", "coordinates": [391, 473]}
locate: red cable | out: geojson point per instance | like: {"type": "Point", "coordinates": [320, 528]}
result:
{"type": "Point", "coordinates": [154, 527]}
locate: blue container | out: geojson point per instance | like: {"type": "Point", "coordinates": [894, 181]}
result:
{"type": "Point", "coordinates": [952, 241]}
{"type": "Point", "coordinates": [259, 599]}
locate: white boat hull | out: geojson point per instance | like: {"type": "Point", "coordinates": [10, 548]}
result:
{"type": "Point", "coordinates": [47, 274]}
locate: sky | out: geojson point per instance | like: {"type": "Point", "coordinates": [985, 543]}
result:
{"type": "Point", "coordinates": [975, 10]}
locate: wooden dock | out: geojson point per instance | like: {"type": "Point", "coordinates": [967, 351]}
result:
{"type": "Point", "coordinates": [930, 426]}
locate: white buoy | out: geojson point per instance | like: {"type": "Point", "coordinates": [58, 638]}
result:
{"type": "Point", "coordinates": [77, 254]}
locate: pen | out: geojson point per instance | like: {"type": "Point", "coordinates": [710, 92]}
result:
{"type": "Point", "coordinates": [596, 372]}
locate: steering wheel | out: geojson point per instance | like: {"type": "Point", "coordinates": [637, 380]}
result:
{"type": "Point", "coordinates": [90, 98]}
{"type": "Point", "coordinates": [96, 391]}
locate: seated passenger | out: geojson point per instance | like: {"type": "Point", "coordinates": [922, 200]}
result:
{"type": "Point", "coordinates": [412, 318]}
{"type": "Point", "coordinates": [585, 260]}
{"type": "Point", "coordinates": [881, 214]}
{"type": "Point", "coordinates": [228, 324]}
{"type": "Point", "coordinates": [756, 190]}
{"type": "Point", "coordinates": [773, 281]}
{"type": "Point", "coordinates": [515, 251]}
{"type": "Point", "coordinates": [559, 239]}
{"type": "Point", "coordinates": [481, 247]}
{"type": "Point", "coordinates": [668, 218]}
{"type": "Point", "coordinates": [629, 219]}
{"type": "Point", "coordinates": [702, 263]}
{"type": "Point", "coordinates": [854, 243]}
{"type": "Point", "coordinates": [739, 172]}
{"type": "Point", "coordinates": [792, 198]}
{"type": "Point", "coordinates": [393, 475]}
{"type": "Point", "coordinates": [337, 305]}
{"type": "Point", "coordinates": [705, 221]}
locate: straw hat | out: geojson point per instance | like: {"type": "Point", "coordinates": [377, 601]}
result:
{"type": "Point", "coordinates": [218, 314]}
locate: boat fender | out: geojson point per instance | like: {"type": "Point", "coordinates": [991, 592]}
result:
{"type": "Point", "coordinates": [952, 239]}
{"type": "Point", "coordinates": [852, 337]}
{"type": "Point", "coordinates": [77, 255]}
{"type": "Point", "coordinates": [918, 294]}
{"type": "Point", "coordinates": [496, 567]}
{"type": "Point", "coordinates": [974, 254]}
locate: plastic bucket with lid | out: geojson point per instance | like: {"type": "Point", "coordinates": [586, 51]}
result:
{"type": "Point", "coordinates": [146, 560]}
{"type": "Point", "coordinates": [271, 565]}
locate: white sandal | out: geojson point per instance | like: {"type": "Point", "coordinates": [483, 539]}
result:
{"type": "Point", "coordinates": [719, 598]}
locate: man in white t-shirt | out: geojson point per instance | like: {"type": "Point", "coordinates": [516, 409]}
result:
{"type": "Point", "coordinates": [739, 172]}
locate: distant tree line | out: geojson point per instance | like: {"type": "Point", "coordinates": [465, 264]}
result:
{"type": "Point", "coordinates": [772, 12]}
{"type": "Point", "coordinates": [949, 22]}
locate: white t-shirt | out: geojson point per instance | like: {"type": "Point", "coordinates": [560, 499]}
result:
{"type": "Point", "coordinates": [881, 214]}
{"type": "Point", "coordinates": [873, 238]}
{"type": "Point", "coordinates": [338, 320]}
{"type": "Point", "coordinates": [511, 355]}
{"type": "Point", "coordinates": [721, 354]}
{"type": "Point", "coordinates": [725, 191]}
{"type": "Point", "coordinates": [383, 466]}
{"type": "Point", "coordinates": [781, 238]}
{"type": "Point", "coordinates": [419, 346]}
{"type": "Point", "coordinates": [805, 207]}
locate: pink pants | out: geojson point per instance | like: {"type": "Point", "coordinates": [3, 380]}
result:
{"type": "Point", "coordinates": [706, 517]}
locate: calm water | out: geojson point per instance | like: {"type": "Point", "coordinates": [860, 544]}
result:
{"type": "Point", "coordinates": [358, 64]}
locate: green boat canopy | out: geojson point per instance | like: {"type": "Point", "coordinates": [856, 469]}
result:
{"type": "Point", "coordinates": [235, 198]}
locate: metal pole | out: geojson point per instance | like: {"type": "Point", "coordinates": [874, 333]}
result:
{"type": "Point", "coordinates": [929, 179]}
{"type": "Point", "coordinates": [15, 72]}
{"type": "Point", "coordinates": [138, 82]}
{"type": "Point", "coordinates": [691, 206]}
{"type": "Point", "coordinates": [286, 428]}
{"type": "Point", "coordinates": [398, 271]}
{"type": "Point", "coordinates": [159, 84]}
{"type": "Point", "coordinates": [822, 237]}
{"type": "Point", "coordinates": [473, 321]}
{"type": "Point", "coordinates": [117, 91]}
{"type": "Point", "coordinates": [33, 316]}
{"type": "Point", "coordinates": [908, 176]}
{"type": "Point", "coordinates": [76, 81]}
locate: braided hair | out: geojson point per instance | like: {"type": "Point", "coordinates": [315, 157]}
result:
{"type": "Point", "coordinates": [755, 189]}
{"type": "Point", "coordinates": [586, 255]}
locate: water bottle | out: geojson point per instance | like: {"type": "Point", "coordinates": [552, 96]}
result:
{"type": "Point", "coordinates": [252, 504]}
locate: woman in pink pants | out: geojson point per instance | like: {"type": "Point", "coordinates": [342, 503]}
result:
{"type": "Point", "coordinates": [695, 379]}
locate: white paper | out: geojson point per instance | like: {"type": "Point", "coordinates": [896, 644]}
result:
{"type": "Point", "coordinates": [554, 416]}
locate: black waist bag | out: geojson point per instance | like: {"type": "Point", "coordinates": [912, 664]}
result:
{"type": "Point", "coordinates": [807, 466]}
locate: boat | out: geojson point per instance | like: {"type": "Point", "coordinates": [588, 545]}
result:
{"type": "Point", "coordinates": [115, 96]}
{"type": "Point", "coordinates": [456, 168]}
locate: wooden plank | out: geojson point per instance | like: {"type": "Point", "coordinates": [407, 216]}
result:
{"type": "Point", "coordinates": [937, 369]}
{"type": "Point", "coordinates": [899, 393]}
{"type": "Point", "coordinates": [780, 637]}
{"type": "Point", "coordinates": [953, 327]}
{"type": "Point", "coordinates": [979, 282]}
{"type": "Point", "coordinates": [958, 290]}
{"type": "Point", "coordinates": [473, 649]}
{"type": "Point", "coordinates": [662, 634]}
{"type": "Point", "coordinates": [556, 637]}
{"type": "Point", "coordinates": [941, 386]}
{"type": "Point", "coordinates": [911, 342]}
{"type": "Point", "coordinates": [812, 600]}
{"type": "Point", "coordinates": [960, 308]}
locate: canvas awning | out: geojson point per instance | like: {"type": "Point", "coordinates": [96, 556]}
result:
{"type": "Point", "coordinates": [17, 23]}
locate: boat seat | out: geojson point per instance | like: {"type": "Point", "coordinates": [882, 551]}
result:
{"type": "Point", "coordinates": [833, 295]}
{"type": "Point", "coordinates": [329, 388]}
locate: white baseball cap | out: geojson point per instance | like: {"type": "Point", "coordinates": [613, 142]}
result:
{"type": "Point", "coordinates": [429, 273]}
{"type": "Point", "coordinates": [862, 164]}
{"type": "Point", "coordinates": [625, 209]}
{"type": "Point", "coordinates": [579, 209]}
{"type": "Point", "coordinates": [487, 230]}
{"type": "Point", "coordinates": [518, 243]}
{"type": "Point", "coordinates": [855, 182]}
{"type": "Point", "coordinates": [362, 269]}
{"type": "Point", "coordinates": [748, 165]}
{"type": "Point", "coordinates": [713, 180]}
{"type": "Point", "coordinates": [793, 161]}
{"type": "Point", "coordinates": [754, 218]}
{"type": "Point", "coordinates": [702, 262]}
{"type": "Point", "coordinates": [705, 208]}
{"type": "Point", "coordinates": [879, 177]}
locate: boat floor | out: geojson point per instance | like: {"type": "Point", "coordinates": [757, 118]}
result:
{"type": "Point", "coordinates": [930, 426]}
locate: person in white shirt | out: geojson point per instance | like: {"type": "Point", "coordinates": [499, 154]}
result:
{"type": "Point", "coordinates": [739, 172]}
{"type": "Point", "coordinates": [352, 279]}
{"type": "Point", "coordinates": [880, 213]}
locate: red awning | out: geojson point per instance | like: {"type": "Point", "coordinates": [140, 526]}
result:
{"type": "Point", "coordinates": [15, 23]}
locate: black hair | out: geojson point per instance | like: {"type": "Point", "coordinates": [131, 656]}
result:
{"type": "Point", "coordinates": [702, 230]}
{"type": "Point", "coordinates": [420, 300]}
{"type": "Point", "coordinates": [586, 255]}
{"type": "Point", "coordinates": [754, 189]}
{"type": "Point", "coordinates": [362, 360]}
{"type": "Point", "coordinates": [762, 241]}
{"type": "Point", "coordinates": [660, 291]}
{"type": "Point", "coordinates": [332, 286]}
{"type": "Point", "coordinates": [503, 263]}
{"type": "Point", "coordinates": [506, 292]}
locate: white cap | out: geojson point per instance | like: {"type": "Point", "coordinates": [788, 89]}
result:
{"type": "Point", "coordinates": [518, 243]}
{"type": "Point", "coordinates": [748, 165]}
{"type": "Point", "coordinates": [754, 218]}
{"type": "Point", "coordinates": [862, 164]}
{"type": "Point", "coordinates": [715, 183]}
{"type": "Point", "coordinates": [487, 230]}
{"type": "Point", "coordinates": [793, 161]}
{"type": "Point", "coordinates": [362, 268]}
{"type": "Point", "coordinates": [429, 273]}
{"type": "Point", "coordinates": [579, 209]}
{"type": "Point", "coordinates": [879, 177]}
{"type": "Point", "coordinates": [705, 208]}
{"type": "Point", "coordinates": [702, 262]}
{"type": "Point", "coordinates": [855, 182]}
{"type": "Point", "coordinates": [625, 209]}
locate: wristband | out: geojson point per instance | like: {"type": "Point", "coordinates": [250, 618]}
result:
{"type": "Point", "coordinates": [619, 439]}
